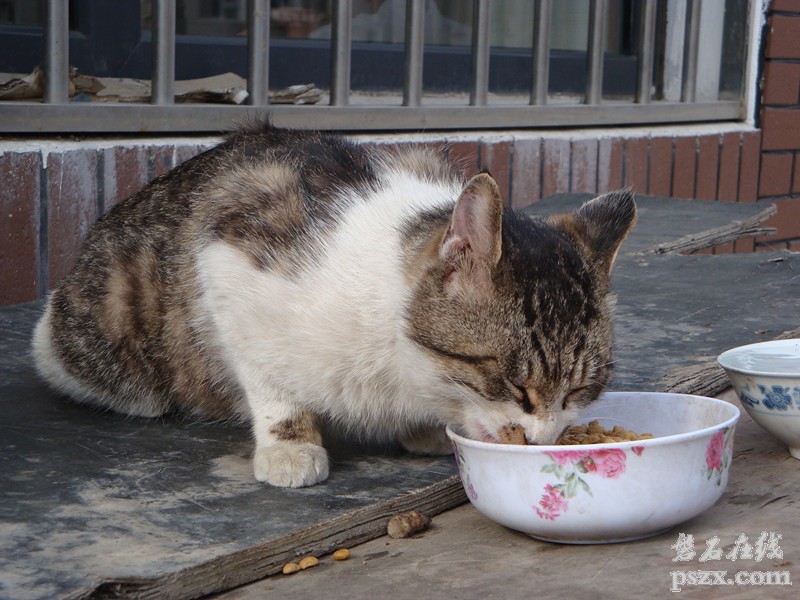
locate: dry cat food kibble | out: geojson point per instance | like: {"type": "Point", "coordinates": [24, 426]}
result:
{"type": "Point", "coordinates": [341, 554]}
{"type": "Point", "coordinates": [308, 562]}
{"type": "Point", "coordinates": [291, 567]}
{"type": "Point", "coordinates": [594, 433]}
{"type": "Point", "coordinates": [405, 524]}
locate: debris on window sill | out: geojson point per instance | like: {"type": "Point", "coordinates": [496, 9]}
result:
{"type": "Point", "coordinates": [226, 88]}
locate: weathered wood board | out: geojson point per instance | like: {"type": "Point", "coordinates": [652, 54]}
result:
{"type": "Point", "coordinates": [96, 505]}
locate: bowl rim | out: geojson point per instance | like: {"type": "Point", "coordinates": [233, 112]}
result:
{"type": "Point", "coordinates": [655, 441]}
{"type": "Point", "coordinates": [725, 358]}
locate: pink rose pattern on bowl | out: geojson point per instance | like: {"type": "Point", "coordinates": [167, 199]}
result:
{"type": "Point", "coordinates": [719, 453]}
{"type": "Point", "coordinates": [568, 466]}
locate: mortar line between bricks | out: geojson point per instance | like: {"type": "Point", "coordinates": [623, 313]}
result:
{"type": "Point", "coordinates": [672, 153]}
{"type": "Point", "coordinates": [739, 168]}
{"type": "Point", "coordinates": [696, 165]}
{"type": "Point", "coordinates": [541, 168]}
{"type": "Point", "coordinates": [597, 166]}
{"type": "Point", "coordinates": [509, 200]}
{"type": "Point", "coordinates": [44, 200]}
{"type": "Point", "coordinates": [779, 197]}
{"type": "Point", "coordinates": [779, 152]}
{"type": "Point", "coordinates": [720, 147]}
{"type": "Point", "coordinates": [570, 151]}
{"type": "Point", "coordinates": [101, 184]}
{"type": "Point", "coordinates": [780, 106]}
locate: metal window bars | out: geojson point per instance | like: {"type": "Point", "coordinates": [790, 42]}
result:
{"type": "Point", "coordinates": [345, 112]}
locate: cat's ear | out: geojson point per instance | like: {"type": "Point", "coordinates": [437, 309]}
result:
{"type": "Point", "coordinates": [474, 239]}
{"type": "Point", "coordinates": [602, 224]}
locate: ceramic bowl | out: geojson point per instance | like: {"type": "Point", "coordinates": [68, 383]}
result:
{"type": "Point", "coordinates": [614, 492]}
{"type": "Point", "coordinates": [766, 377]}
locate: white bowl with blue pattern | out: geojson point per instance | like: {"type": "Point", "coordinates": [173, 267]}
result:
{"type": "Point", "coordinates": [766, 377]}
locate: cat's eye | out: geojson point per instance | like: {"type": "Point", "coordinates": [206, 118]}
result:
{"type": "Point", "coordinates": [574, 395]}
{"type": "Point", "coordinates": [523, 398]}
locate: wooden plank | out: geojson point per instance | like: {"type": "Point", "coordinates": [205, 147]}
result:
{"type": "Point", "coordinates": [244, 566]}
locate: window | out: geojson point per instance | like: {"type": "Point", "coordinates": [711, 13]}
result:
{"type": "Point", "coordinates": [113, 39]}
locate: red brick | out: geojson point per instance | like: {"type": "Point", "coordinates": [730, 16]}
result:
{"type": "Point", "coordinates": [464, 155]}
{"type": "Point", "coordinates": [726, 248]}
{"type": "Point", "coordinates": [794, 246]}
{"type": "Point", "coordinates": [125, 171]}
{"type": "Point", "coordinates": [776, 174]}
{"type": "Point", "coordinates": [749, 166]}
{"type": "Point", "coordinates": [707, 167]}
{"type": "Point", "coordinates": [636, 164]}
{"type": "Point", "coordinates": [71, 208]}
{"type": "Point", "coordinates": [770, 246]}
{"type": "Point", "coordinates": [660, 176]}
{"type": "Point", "coordinates": [796, 176]}
{"type": "Point", "coordinates": [785, 5]}
{"type": "Point", "coordinates": [19, 226]}
{"type": "Point", "coordinates": [744, 245]}
{"type": "Point", "coordinates": [555, 166]}
{"type": "Point", "coordinates": [496, 156]}
{"type": "Point", "coordinates": [161, 159]}
{"type": "Point", "coordinates": [783, 37]}
{"type": "Point", "coordinates": [781, 127]}
{"type": "Point", "coordinates": [609, 165]}
{"type": "Point", "coordinates": [786, 221]}
{"type": "Point", "coordinates": [526, 173]}
{"type": "Point", "coordinates": [584, 166]}
{"type": "Point", "coordinates": [684, 167]}
{"type": "Point", "coordinates": [728, 186]}
{"type": "Point", "coordinates": [781, 83]}
{"type": "Point", "coordinates": [186, 151]}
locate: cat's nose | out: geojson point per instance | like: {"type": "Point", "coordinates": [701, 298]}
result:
{"type": "Point", "coordinates": [540, 439]}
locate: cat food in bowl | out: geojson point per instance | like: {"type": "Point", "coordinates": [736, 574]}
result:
{"type": "Point", "coordinates": [766, 377]}
{"type": "Point", "coordinates": [608, 492]}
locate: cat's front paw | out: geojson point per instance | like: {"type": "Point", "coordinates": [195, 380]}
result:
{"type": "Point", "coordinates": [428, 441]}
{"type": "Point", "coordinates": [291, 464]}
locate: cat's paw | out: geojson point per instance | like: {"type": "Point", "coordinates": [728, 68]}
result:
{"type": "Point", "coordinates": [291, 464]}
{"type": "Point", "coordinates": [428, 441]}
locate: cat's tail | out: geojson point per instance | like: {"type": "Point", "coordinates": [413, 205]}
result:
{"type": "Point", "coordinates": [53, 370]}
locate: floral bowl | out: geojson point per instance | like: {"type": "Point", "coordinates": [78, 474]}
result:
{"type": "Point", "coordinates": [766, 377]}
{"type": "Point", "coordinates": [613, 492]}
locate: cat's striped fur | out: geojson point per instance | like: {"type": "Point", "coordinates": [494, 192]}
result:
{"type": "Point", "coordinates": [288, 278]}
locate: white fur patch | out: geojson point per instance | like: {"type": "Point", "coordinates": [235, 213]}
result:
{"type": "Point", "coordinates": [331, 337]}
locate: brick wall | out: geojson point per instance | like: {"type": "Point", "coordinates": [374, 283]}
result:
{"type": "Point", "coordinates": [51, 194]}
{"type": "Point", "coordinates": [56, 192]}
{"type": "Point", "coordinates": [780, 121]}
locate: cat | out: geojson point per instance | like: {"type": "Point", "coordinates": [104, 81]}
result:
{"type": "Point", "coordinates": [294, 279]}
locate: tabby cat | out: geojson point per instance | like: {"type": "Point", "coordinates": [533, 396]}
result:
{"type": "Point", "coordinates": [293, 279]}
